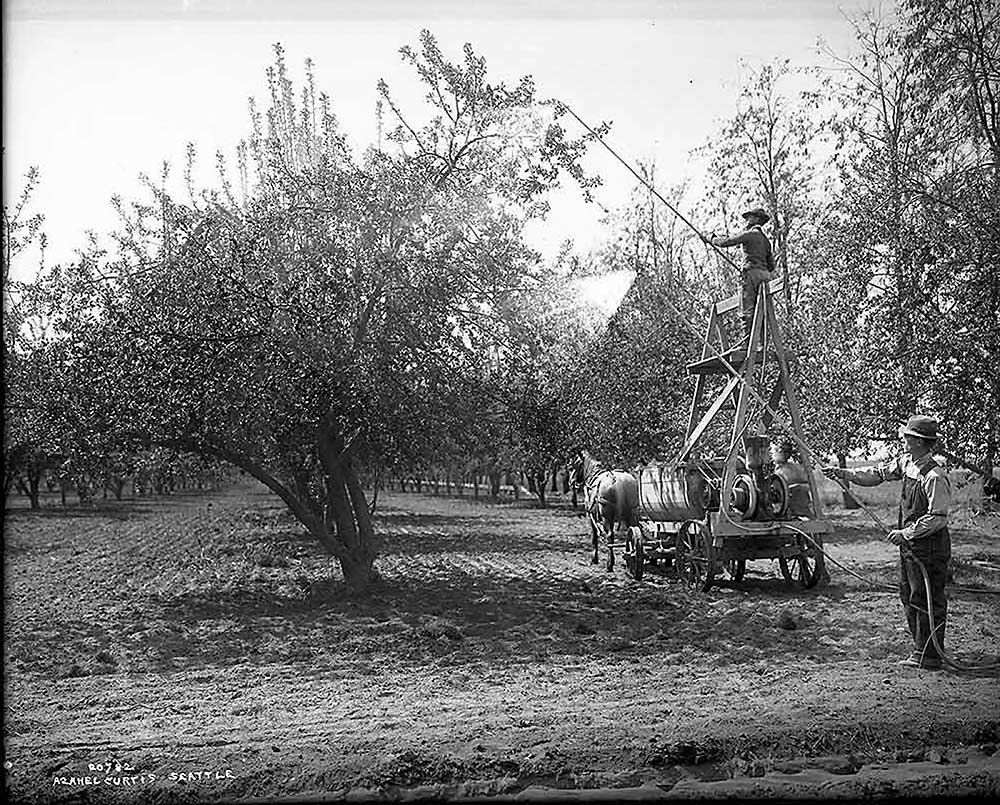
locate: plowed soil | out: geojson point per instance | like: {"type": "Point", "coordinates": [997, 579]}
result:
{"type": "Point", "coordinates": [202, 647]}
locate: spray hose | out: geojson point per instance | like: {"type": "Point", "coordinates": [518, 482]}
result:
{"type": "Point", "coordinates": [907, 552]}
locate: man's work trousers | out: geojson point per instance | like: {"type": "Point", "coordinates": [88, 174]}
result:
{"type": "Point", "coordinates": [753, 278]}
{"type": "Point", "coordinates": [934, 551]}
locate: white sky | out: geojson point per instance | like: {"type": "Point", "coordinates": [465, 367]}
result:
{"type": "Point", "coordinates": [98, 91]}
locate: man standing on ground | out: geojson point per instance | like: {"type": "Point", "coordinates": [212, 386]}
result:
{"type": "Point", "coordinates": [758, 260]}
{"type": "Point", "coordinates": [921, 533]}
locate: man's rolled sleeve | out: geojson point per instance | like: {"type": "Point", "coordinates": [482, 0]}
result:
{"type": "Point", "coordinates": [892, 471]}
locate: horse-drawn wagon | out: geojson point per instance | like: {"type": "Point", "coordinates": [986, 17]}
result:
{"type": "Point", "coordinates": [710, 511]}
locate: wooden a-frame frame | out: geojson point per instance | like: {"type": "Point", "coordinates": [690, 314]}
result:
{"type": "Point", "coordinates": [765, 342]}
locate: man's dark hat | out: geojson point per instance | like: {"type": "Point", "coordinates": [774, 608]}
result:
{"type": "Point", "coordinates": [923, 427]}
{"type": "Point", "coordinates": [763, 216]}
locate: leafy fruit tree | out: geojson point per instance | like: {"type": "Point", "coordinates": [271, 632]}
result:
{"type": "Point", "coordinates": [324, 315]}
{"type": "Point", "coordinates": [548, 343]}
{"type": "Point", "coordinates": [632, 387]}
{"type": "Point", "coordinates": [25, 425]}
{"type": "Point", "coordinates": [909, 250]}
{"type": "Point", "coordinates": [957, 59]}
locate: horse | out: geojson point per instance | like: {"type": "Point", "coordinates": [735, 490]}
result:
{"type": "Point", "coordinates": [611, 498]}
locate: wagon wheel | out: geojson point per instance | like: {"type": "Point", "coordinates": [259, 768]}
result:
{"type": "Point", "coordinates": [736, 568]}
{"type": "Point", "coordinates": [806, 569]}
{"type": "Point", "coordinates": [814, 555]}
{"type": "Point", "coordinates": [695, 556]}
{"type": "Point", "coordinates": [635, 552]}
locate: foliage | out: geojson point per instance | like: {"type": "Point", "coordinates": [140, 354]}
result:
{"type": "Point", "coordinates": [541, 392]}
{"type": "Point", "coordinates": [327, 316]}
{"type": "Point", "coordinates": [322, 318]}
{"type": "Point", "coordinates": [766, 155]}
{"type": "Point", "coordinates": [915, 212]}
{"type": "Point", "coordinates": [24, 428]}
{"type": "Point", "coordinates": [633, 388]}
{"type": "Point", "coordinates": [958, 42]}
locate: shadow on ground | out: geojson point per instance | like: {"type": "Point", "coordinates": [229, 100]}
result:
{"type": "Point", "coordinates": [460, 583]}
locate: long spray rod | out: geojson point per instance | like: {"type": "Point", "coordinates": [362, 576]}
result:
{"type": "Point", "coordinates": [563, 107]}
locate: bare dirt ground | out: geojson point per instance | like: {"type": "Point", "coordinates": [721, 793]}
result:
{"type": "Point", "coordinates": [206, 647]}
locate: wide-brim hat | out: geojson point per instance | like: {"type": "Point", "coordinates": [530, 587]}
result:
{"type": "Point", "coordinates": [764, 217]}
{"type": "Point", "coordinates": [923, 427]}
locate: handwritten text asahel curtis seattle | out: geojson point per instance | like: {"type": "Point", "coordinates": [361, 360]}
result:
{"type": "Point", "coordinates": [145, 778]}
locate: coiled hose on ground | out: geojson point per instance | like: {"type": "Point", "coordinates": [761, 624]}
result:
{"type": "Point", "coordinates": [946, 658]}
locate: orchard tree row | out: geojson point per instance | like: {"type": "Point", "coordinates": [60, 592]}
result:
{"type": "Point", "coordinates": [318, 318]}
{"type": "Point", "coordinates": [325, 321]}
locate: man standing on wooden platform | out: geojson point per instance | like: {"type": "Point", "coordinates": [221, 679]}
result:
{"type": "Point", "coordinates": [758, 260]}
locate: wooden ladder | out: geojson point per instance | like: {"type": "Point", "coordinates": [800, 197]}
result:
{"type": "Point", "coordinates": [765, 343]}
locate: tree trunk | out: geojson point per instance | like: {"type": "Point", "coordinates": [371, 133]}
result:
{"type": "Point", "coordinates": [84, 490]}
{"type": "Point", "coordinates": [8, 482]}
{"type": "Point", "coordinates": [540, 487]}
{"type": "Point", "coordinates": [34, 479]}
{"type": "Point", "coordinates": [344, 528]}
{"type": "Point", "coordinates": [349, 533]}
{"type": "Point", "coordinates": [849, 500]}
{"type": "Point", "coordinates": [495, 484]}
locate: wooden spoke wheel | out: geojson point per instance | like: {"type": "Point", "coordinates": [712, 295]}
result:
{"type": "Point", "coordinates": [695, 556]}
{"type": "Point", "coordinates": [805, 569]}
{"type": "Point", "coordinates": [736, 568]}
{"type": "Point", "coordinates": [635, 552]}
